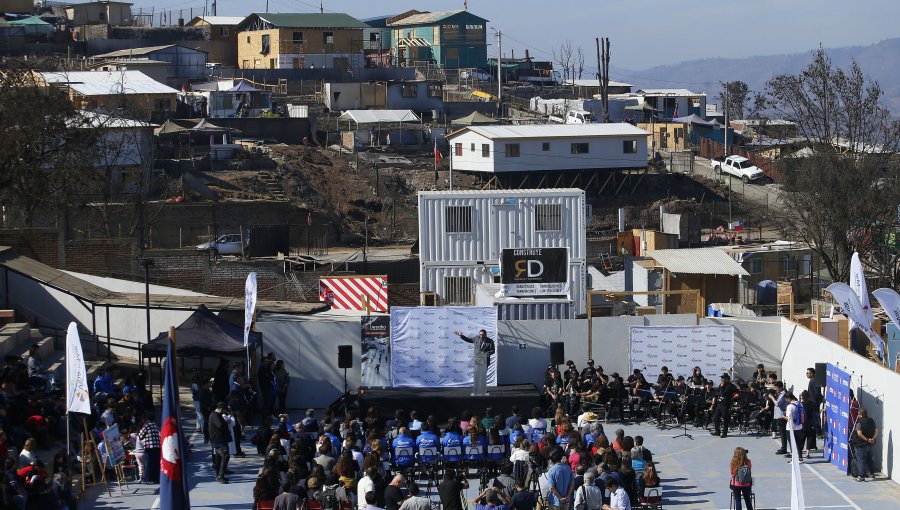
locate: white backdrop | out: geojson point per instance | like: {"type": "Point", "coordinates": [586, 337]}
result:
{"type": "Point", "coordinates": [681, 348]}
{"type": "Point", "coordinates": [426, 353]}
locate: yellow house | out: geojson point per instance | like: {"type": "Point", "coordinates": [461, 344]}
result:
{"type": "Point", "coordinates": [301, 40]}
{"type": "Point", "coordinates": [222, 37]}
{"type": "Point", "coordinates": [104, 12]}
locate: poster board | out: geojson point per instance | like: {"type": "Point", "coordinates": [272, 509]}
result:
{"type": "Point", "coordinates": [534, 272]}
{"type": "Point", "coordinates": [681, 348]}
{"type": "Point", "coordinates": [375, 349]}
{"type": "Point", "coordinates": [425, 352]}
{"type": "Point", "coordinates": [837, 416]}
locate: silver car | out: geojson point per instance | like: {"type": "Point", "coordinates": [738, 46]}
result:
{"type": "Point", "coordinates": [228, 244]}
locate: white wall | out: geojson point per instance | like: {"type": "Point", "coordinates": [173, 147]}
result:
{"type": "Point", "coordinates": [604, 152]}
{"type": "Point", "coordinates": [756, 340]}
{"type": "Point", "coordinates": [876, 387]}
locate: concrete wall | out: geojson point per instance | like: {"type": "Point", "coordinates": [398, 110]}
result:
{"type": "Point", "coordinates": [758, 337]}
{"type": "Point", "coordinates": [876, 387]}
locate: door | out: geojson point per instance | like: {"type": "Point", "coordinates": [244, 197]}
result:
{"type": "Point", "coordinates": [452, 58]}
{"type": "Point", "coordinates": [506, 234]}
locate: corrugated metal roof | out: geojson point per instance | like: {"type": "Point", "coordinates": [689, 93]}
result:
{"type": "Point", "coordinates": [105, 83]}
{"type": "Point", "coordinates": [595, 83]}
{"type": "Point", "coordinates": [697, 261]}
{"type": "Point", "coordinates": [219, 20]}
{"type": "Point", "coordinates": [510, 193]}
{"type": "Point", "coordinates": [376, 116]}
{"type": "Point", "coordinates": [425, 18]}
{"type": "Point", "coordinates": [673, 92]}
{"type": "Point", "coordinates": [311, 20]}
{"type": "Point", "coordinates": [137, 52]}
{"type": "Point", "coordinates": [554, 131]}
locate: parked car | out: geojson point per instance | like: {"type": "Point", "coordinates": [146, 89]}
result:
{"type": "Point", "coordinates": [228, 244]}
{"type": "Point", "coordinates": [574, 117]}
{"type": "Point", "coordinates": [739, 167]}
{"type": "Point", "coordinates": [477, 74]}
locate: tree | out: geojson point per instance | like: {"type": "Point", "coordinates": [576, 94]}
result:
{"type": "Point", "coordinates": [733, 97]}
{"type": "Point", "coordinates": [843, 198]}
{"type": "Point", "coordinates": [563, 56]}
{"type": "Point", "coordinates": [579, 61]}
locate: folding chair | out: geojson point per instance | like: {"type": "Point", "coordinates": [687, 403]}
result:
{"type": "Point", "coordinates": [403, 452]}
{"type": "Point", "coordinates": [651, 499]}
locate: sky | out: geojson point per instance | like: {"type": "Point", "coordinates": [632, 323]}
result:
{"type": "Point", "coordinates": [642, 33]}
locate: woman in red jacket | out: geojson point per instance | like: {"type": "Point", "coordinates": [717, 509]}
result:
{"type": "Point", "coordinates": [741, 478]}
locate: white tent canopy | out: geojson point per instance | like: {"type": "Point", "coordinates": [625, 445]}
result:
{"type": "Point", "coordinates": [379, 116]}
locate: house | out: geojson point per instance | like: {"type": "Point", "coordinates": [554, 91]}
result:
{"type": "Point", "coordinates": [17, 6]}
{"type": "Point", "coordinates": [420, 96]}
{"type": "Point", "coordinates": [451, 39]}
{"type": "Point", "coordinates": [671, 103]}
{"type": "Point", "coordinates": [539, 148]}
{"type": "Point", "coordinates": [773, 263]}
{"type": "Point", "coordinates": [156, 69]}
{"type": "Point", "coordinates": [710, 271]}
{"type": "Point", "coordinates": [125, 150]}
{"type": "Point", "coordinates": [530, 242]}
{"type": "Point", "coordinates": [141, 96]}
{"type": "Point", "coordinates": [300, 40]}
{"type": "Point", "coordinates": [183, 64]}
{"type": "Point", "coordinates": [233, 98]}
{"type": "Point", "coordinates": [591, 88]}
{"type": "Point", "coordinates": [102, 12]}
{"type": "Point", "coordinates": [377, 42]}
{"type": "Point", "coordinates": [765, 129]}
{"type": "Point", "coordinates": [222, 37]}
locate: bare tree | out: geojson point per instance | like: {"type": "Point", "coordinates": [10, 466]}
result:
{"type": "Point", "coordinates": [579, 61]}
{"type": "Point", "coordinates": [734, 97]}
{"type": "Point", "coordinates": [843, 198]}
{"type": "Point", "coordinates": [563, 57]}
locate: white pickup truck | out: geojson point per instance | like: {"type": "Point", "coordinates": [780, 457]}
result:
{"type": "Point", "coordinates": [574, 117]}
{"type": "Point", "coordinates": [737, 166]}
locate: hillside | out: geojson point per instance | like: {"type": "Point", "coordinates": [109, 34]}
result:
{"type": "Point", "coordinates": [879, 61]}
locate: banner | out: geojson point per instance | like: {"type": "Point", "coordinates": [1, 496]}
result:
{"type": "Point", "coordinates": [114, 451]}
{"type": "Point", "coordinates": [375, 366]}
{"type": "Point", "coordinates": [849, 302]}
{"type": "Point", "coordinates": [426, 353]}
{"type": "Point", "coordinates": [173, 477]}
{"type": "Point", "coordinates": [890, 302]}
{"type": "Point", "coordinates": [798, 500]}
{"type": "Point", "coordinates": [535, 271]}
{"type": "Point", "coordinates": [681, 348]}
{"type": "Point", "coordinates": [858, 284]}
{"type": "Point", "coordinates": [249, 306]}
{"type": "Point", "coordinates": [837, 416]}
{"type": "Point", "coordinates": [78, 400]}
{"type": "Point", "coordinates": [366, 293]}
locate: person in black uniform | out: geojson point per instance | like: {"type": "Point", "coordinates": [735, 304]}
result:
{"type": "Point", "coordinates": [697, 378]}
{"type": "Point", "coordinates": [664, 379]}
{"type": "Point", "coordinates": [589, 371]}
{"type": "Point", "coordinates": [701, 404]}
{"type": "Point", "coordinates": [722, 412]}
{"type": "Point", "coordinates": [616, 391]}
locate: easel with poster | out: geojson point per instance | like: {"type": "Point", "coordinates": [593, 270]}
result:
{"type": "Point", "coordinates": [91, 460]}
{"type": "Point", "coordinates": [113, 454]}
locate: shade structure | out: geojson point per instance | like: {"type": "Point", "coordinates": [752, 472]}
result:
{"type": "Point", "coordinates": [475, 119]}
{"type": "Point", "coordinates": [204, 334]}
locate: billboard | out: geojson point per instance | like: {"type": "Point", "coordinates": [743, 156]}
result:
{"type": "Point", "coordinates": [681, 348]}
{"type": "Point", "coordinates": [375, 366]}
{"type": "Point", "coordinates": [526, 272]}
{"type": "Point", "coordinates": [837, 416]}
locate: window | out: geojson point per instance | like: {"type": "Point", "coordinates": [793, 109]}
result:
{"type": "Point", "coordinates": [788, 264]}
{"type": "Point", "coordinates": [485, 150]}
{"type": "Point", "coordinates": [435, 90]}
{"type": "Point", "coordinates": [409, 90]}
{"type": "Point", "coordinates": [328, 37]}
{"type": "Point", "coordinates": [472, 147]}
{"type": "Point", "coordinates": [580, 148]}
{"type": "Point", "coordinates": [224, 31]}
{"type": "Point", "coordinates": [629, 147]}
{"type": "Point", "coordinates": [458, 219]}
{"type": "Point", "coordinates": [545, 146]}
{"type": "Point", "coordinates": [374, 37]}
{"type": "Point", "coordinates": [457, 290]}
{"type": "Point", "coordinates": [248, 39]}
{"type": "Point", "coordinates": [547, 217]}
{"type": "Point", "coordinates": [297, 38]}
{"type": "Point", "coordinates": [756, 265]}
{"type": "Point", "coordinates": [265, 44]}
{"type": "Point", "coordinates": [161, 104]}
{"type": "Point", "coordinates": [450, 32]}
{"type": "Point", "coordinates": [457, 150]}
{"type": "Point", "coordinates": [512, 150]}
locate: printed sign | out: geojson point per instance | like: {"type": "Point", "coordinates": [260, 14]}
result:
{"type": "Point", "coordinates": [115, 451]}
{"type": "Point", "coordinates": [375, 366]}
{"type": "Point", "coordinates": [837, 416]}
{"type": "Point", "coordinates": [426, 353]}
{"type": "Point", "coordinates": [535, 271]}
{"type": "Point", "coordinates": [681, 348]}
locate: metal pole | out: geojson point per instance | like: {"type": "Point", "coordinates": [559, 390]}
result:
{"type": "Point", "coordinates": [108, 344]}
{"type": "Point", "coordinates": [366, 249]}
{"type": "Point", "coordinates": [499, 74]}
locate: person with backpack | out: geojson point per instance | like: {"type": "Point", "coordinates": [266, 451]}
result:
{"type": "Point", "coordinates": [741, 478]}
{"type": "Point", "coordinates": [795, 417]}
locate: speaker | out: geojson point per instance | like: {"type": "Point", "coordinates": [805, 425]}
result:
{"type": "Point", "coordinates": [345, 356]}
{"type": "Point", "coordinates": [820, 375]}
{"type": "Point", "coordinates": [557, 353]}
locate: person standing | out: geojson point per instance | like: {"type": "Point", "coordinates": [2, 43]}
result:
{"type": "Point", "coordinates": [561, 481]}
{"type": "Point", "coordinates": [450, 490]}
{"type": "Point", "coordinates": [589, 494]}
{"type": "Point", "coordinates": [779, 399]}
{"type": "Point", "coordinates": [149, 434]}
{"type": "Point", "coordinates": [618, 498]}
{"type": "Point", "coordinates": [282, 381]}
{"type": "Point", "coordinates": [863, 438]}
{"type": "Point", "coordinates": [196, 388]}
{"type": "Point", "coordinates": [741, 478]}
{"type": "Point", "coordinates": [794, 418]}
{"type": "Point", "coordinates": [722, 413]}
{"type": "Point", "coordinates": [812, 408]}
{"type": "Point", "coordinates": [219, 437]}
{"type": "Point", "coordinates": [485, 344]}
{"type": "Point", "coordinates": [287, 500]}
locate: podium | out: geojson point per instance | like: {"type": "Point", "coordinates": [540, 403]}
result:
{"type": "Point", "coordinates": [479, 381]}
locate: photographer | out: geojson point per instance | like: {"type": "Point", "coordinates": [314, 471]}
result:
{"type": "Point", "coordinates": [491, 498]}
{"type": "Point", "coordinates": [450, 490]}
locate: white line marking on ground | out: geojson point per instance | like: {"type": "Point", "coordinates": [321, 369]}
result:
{"type": "Point", "coordinates": [832, 487]}
{"type": "Point", "coordinates": [789, 508]}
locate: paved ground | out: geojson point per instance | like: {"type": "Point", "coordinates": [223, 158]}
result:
{"type": "Point", "coordinates": [694, 476]}
{"type": "Point", "coordinates": [764, 193]}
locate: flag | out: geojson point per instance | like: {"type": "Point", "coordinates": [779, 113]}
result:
{"type": "Point", "coordinates": [173, 477]}
{"type": "Point", "coordinates": [321, 6]}
{"type": "Point", "coordinates": [846, 297]}
{"type": "Point", "coordinates": [675, 114]}
{"type": "Point", "coordinates": [183, 88]}
{"type": "Point", "coordinates": [858, 284]}
{"type": "Point", "coordinates": [78, 400]}
{"type": "Point", "coordinates": [890, 301]}
{"type": "Point", "coordinates": [797, 500]}
{"type": "Point", "coordinates": [437, 155]}
{"type": "Point", "coordinates": [466, 4]}
{"type": "Point", "coordinates": [249, 306]}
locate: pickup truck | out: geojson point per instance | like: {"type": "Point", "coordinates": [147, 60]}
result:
{"type": "Point", "coordinates": [574, 117]}
{"type": "Point", "coordinates": [737, 166]}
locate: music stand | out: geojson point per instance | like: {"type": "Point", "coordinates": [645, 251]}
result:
{"type": "Point", "coordinates": [685, 432]}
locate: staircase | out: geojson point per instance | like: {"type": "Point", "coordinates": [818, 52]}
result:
{"type": "Point", "coordinates": [273, 186]}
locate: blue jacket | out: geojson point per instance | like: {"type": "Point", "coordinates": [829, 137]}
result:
{"type": "Point", "coordinates": [427, 440]}
{"type": "Point", "coordinates": [451, 439]}
{"type": "Point", "coordinates": [104, 383]}
{"type": "Point", "coordinates": [403, 441]}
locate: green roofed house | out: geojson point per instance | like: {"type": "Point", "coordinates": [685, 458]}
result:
{"type": "Point", "coordinates": [300, 40]}
{"type": "Point", "coordinates": [452, 39]}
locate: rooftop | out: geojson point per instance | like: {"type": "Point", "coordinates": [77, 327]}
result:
{"type": "Point", "coordinates": [140, 52]}
{"type": "Point", "coordinates": [595, 83]}
{"type": "Point", "coordinates": [671, 92]}
{"type": "Point", "coordinates": [218, 20]}
{"type": "Point", "coordinates": [554, 131]}
{"type": "Point", "coordinates": [309, 20]}
{"type": "Point", "coordinates": [425, 18]}
{"type": "Point", "coordinates": [697, 261]}
{"type": "Point", "coordinates": [105, 83]}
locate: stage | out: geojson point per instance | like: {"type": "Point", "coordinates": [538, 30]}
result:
{"type": "Point", "coordinates": [446, 402]}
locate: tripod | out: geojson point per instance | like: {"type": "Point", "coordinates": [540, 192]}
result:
{"type": "Point", "coordinates": [683, 419]}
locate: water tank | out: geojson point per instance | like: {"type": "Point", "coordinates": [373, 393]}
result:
{"type": "Point", "coordinates": [766, 292]}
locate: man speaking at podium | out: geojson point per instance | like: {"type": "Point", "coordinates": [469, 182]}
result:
{"type": "Point", "coordinates": [484, 349]}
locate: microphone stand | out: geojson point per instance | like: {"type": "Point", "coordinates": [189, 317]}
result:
{"type": "Point", "coordinates": [740, 358]}
{"type": "Point", "coordinates": [685, 432]}
{"type": "Point", "coordinates": [661, 409]}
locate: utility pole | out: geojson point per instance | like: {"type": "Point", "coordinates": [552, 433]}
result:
{"type": "Point", "coordinates": [214, 7]}
{"type": "Point", "coordinates": [603, 75]}
{"type": "Point", "coordinates": [499, 74]}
